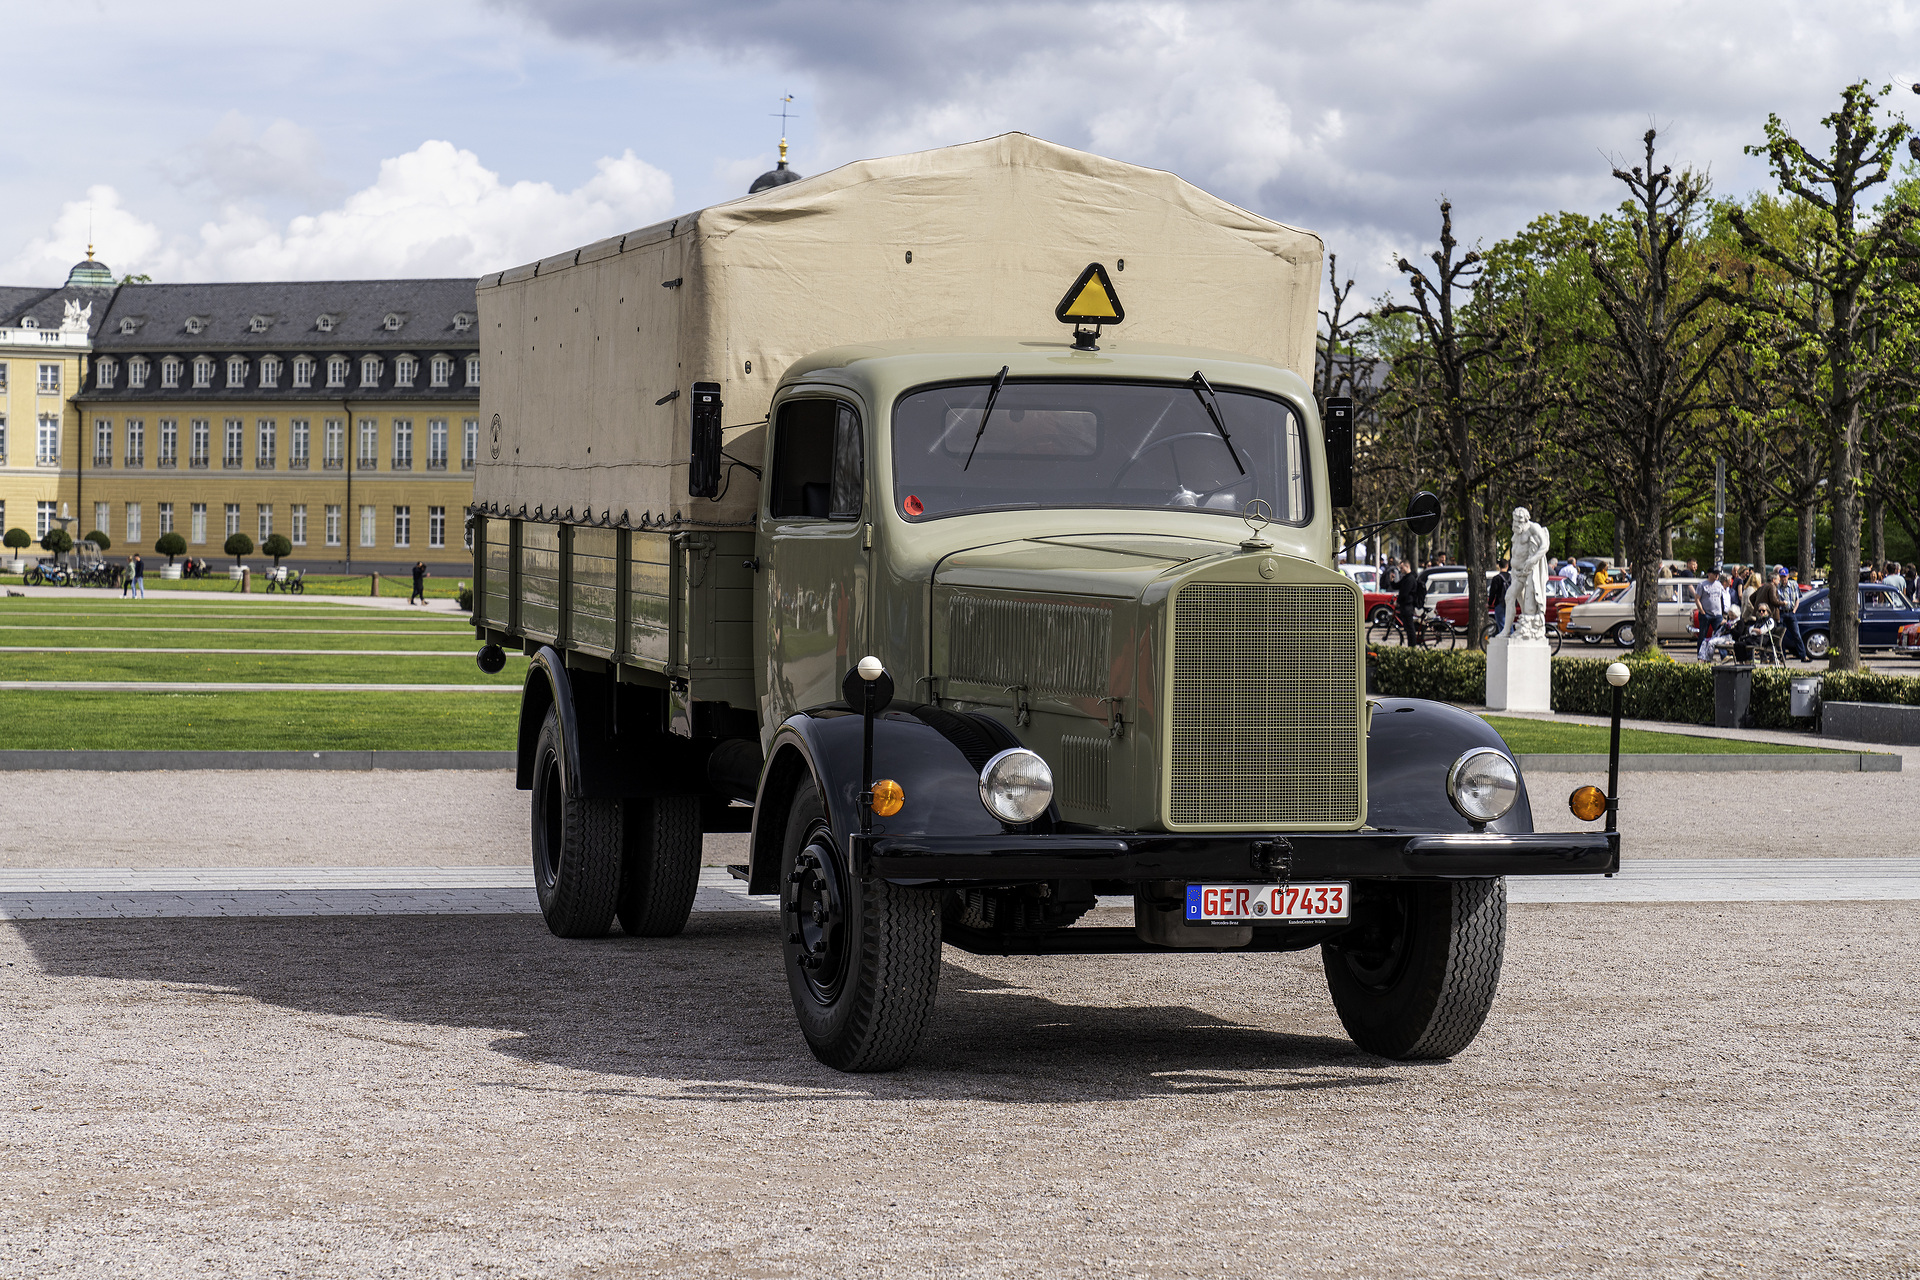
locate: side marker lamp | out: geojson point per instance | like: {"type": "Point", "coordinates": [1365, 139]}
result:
{"type": "Point", "coordinates": [1588, 803]}
{"type": "Point", "coordinates": [888, 797]}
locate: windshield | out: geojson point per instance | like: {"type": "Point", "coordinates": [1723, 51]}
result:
{"type": "Point", "coordinates": [1096, 444]}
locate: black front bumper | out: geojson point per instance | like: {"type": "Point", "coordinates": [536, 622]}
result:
{"type": "Point", "coordinates": [1357, 855]}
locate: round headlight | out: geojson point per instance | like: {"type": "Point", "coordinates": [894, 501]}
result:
{"type": "Point", "coordinates": [1016, 785]}
{"type": "Point", "coordinates": [1483, 784]}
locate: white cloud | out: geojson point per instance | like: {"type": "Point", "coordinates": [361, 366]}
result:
{"type": "Point", "coordinates": [435, 211]}
{"type": "Point", "coordinates": [236, 161]}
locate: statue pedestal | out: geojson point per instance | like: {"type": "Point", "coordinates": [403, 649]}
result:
{"type": "Point", "coordinates": [1519, 675]}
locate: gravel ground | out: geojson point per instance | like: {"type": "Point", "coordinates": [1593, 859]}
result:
{"type": "Point", "coordinates": [447, 1096]}
{"type": "Point", "coordinates": [273, 818]}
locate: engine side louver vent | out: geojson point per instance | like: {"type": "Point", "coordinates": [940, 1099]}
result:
{"type": "Point", "coordinates": [1083, 772]}
{"type": "Point", "coordinates": [1057, 649]}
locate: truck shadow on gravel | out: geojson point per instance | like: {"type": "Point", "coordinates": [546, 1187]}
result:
{"type": "Point", "coordinates": [709, 1009]}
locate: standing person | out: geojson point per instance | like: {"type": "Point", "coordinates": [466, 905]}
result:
{"type": "Point", "coordinates": [1896, 578]}
{"type": "Point", "coordinates": [419, 582]}
{"type": "Point", "coordinates": [1497, 600]}
{"type": "Point", "coordinates": [1409, 596]}
{"type": "Point", "coordinates": [1712, 598]}
{"type": "Point", "coordinates": [126, 580]}
{"type": "Point", "coordinates": [137, 574]}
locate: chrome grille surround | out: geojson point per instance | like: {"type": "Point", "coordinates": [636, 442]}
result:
{"type": "Point", "coordinates": [1265, 716]}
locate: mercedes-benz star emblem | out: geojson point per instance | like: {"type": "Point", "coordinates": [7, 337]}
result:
{"type": "Point", "coordinates": [1257, 514]}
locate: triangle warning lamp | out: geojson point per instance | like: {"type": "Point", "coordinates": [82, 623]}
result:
{"type": "Point", "coordinates": [1090, 300]}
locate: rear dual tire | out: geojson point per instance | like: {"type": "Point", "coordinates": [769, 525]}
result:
{"type": "Point", "coordinates": [1417, 976]}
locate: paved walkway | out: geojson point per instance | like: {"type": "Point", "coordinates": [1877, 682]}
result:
{"type": "Point", "coordinates": [159, 686]}
{"type": "Point", "coordinates": [259, 598]}
{"type": "Point", "coordinates": [255, 653]}
{"type": "Point", "coordinates": [128, 893]}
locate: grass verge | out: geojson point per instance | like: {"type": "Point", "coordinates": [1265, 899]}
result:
{"type": "Point", "coordinates": [257, 721]}
{"type": "Point", "coordinates": [267, 667]}
{"type": "Point", "coordinates": [1551, 737]}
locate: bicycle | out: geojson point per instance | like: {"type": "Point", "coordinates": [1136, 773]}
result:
{"type": "Point", "coordinates": [1555, 637]}
{"type": "Point", "coordinates": [291, 581]}
{"type": "Point", "coordinates": [1431, 631]}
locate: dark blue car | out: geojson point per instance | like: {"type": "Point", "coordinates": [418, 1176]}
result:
{"type": "Point", "coordinates": [1883, 611]}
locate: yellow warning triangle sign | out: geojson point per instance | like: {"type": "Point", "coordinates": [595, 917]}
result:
{"type": "Point", "coordinates": [1091, 300]}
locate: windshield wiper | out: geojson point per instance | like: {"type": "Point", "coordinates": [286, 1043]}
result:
{"type": "Point", "coordinates": [992, 395]}
{"type": "Point", "coordinates": [1210, 401]}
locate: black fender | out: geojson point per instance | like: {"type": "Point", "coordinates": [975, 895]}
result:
{"type": "Point", "coordinates": [547, 687]}
{"type": "Point", "coordinates": [640, 761]}
{"type": "Point", "coordinates": [1411, 745]}
{"type": "Point", "coordinates": [942, 785]}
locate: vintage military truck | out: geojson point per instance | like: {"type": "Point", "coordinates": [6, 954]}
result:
{"type": "Point", "coordinates": [970, 631]}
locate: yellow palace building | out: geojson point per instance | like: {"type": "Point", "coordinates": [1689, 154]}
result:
{"type": "Point", "coordinates": [341, 414]}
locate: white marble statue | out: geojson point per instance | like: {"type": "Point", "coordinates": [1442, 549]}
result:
{"type": "Point", "coordinates": [75, 318]}
{"type": "Point", "coordinates": [1527, 596]}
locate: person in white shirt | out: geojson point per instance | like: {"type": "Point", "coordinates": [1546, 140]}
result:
{"type": "Point", "coordinates": [1711, 596]}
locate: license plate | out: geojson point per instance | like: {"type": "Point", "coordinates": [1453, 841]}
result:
{"type": "Point", "coordinates": [1253, 903]}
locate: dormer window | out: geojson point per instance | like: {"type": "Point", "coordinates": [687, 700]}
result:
{"type": "Point", "coordinates": [196, 325]}
{"type": "Point", "coordinates": [170, 372]}
{"type": "Point", "coordinates": [236, 371]}
{"type": "Point", "coordinates": [370, 370]}
{"type": "Point", "coordinates": [137, 372]}
{"type": "Point", "coordinates": [393, 322]}
{"type": "Point", "coordinates": [105, 370]}
{"type": "Point", "coordinates": [442, 370]}
{"type": "Point", "coordinates": [270, 372]}
{"type": "Point", "coordinates": [405, 370]}
{"type": "Point", "coordinates": [129, 326]}
{"type": "Point", "coordinates": [28, 322]}
{"type": "Point", "coordinates": [259, 324]}
{"type": "Point", "coordinates": [325, 323]}
{"type": "Point", "coordinates": [473, 371]}
{"type": "Point", "coordinates": [337, 367]}
{"type": "Point", "coordinates": [203, 371]}
{"type": "Point", "coordinates": [462, 322]}
{"type": "Point", "coordinates": [303, 371]}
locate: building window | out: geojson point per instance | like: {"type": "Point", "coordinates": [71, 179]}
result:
{"type": "Point", "coordinates": [267, 433]}
{"type": "Point", "coordinates": [136, 442]}
{"type": "Point", "coordinates": [403, 526]}
{"type": "Point", "coordinates": [297, 517]}
{"type": "Point", "coordinates": [3, 443]}
{"type": "Point", "coordinates": [203, 371]}
{"type": "Point", "coordinates": [403, 444]}
{"type": "Point", "coordinates": [195, 324]}
{"type": "Point", "coordinates": [169, 373]}
{"type": "Point", "coordinates": [3, 375]}
{"type": "Point", "coordinates": [198, 534]}
{"type": "Point", "coordinates": [466, 526]}
{"type": "Point", "coordinates": [405, 370]}
{"type": "Point", "coordinates": [270, 372]}
{"type": "Point", "coordinates": [236, 371]}
{"type": "Point", "coordinates": [169, 443]}
{"type": "Point", "coordinates": [103, 442]}
{"type": "Point", "coordinates": [469, 443]}
{"type": "Point", "coordinates": [133, 524]}
{"type": "Point", "coordinates": [236, 441]}
{"type": "Point", "coordinates": [334, 444]}
{"type": "Point", "coordinates": [233, 518]}
{"type": "Point", "coordinates": [266, 521]}
{"type": "Point", "coordinates": [436, 444]}
{"type": "Point", "coordinates": [298, 436]}
{"type": "Point", "coordinates": [473, 371]}
{"type": "Point", "coordinates": [442, 370]}
{"type": "Point", "coordinates": [462, 321]}
{"type": "Point", "coordinates": [166, 517]}
{"type": "Point", "coordinates": [102, 518]}
{"type": "Point", "coordinates": [137, 372]}
{"type": "Point", "coordinates": [337, 367]}
{"type": "Point", "coordinates": [105, 370]}
{"type": "Point", "coordinates": [366, 526]}
{"type": "Point", "coordinates": [200, 442]}
{"type": "Point", "coordinates": [259, 324]}
{"type": "Point", "coordinates": [47, 448]}
{"type": "Point", "coordinates": [50, 379]}
{"type": "Point", "coordinates": [393, 322]}
{"type": "Point", "coordinates": [333, 524]}
{"type": "Point", "coordinates": [303, 371]}
{"type": "Point", "coordinates": [436, 526]}
{"type": "Point", "coordinates": [324, 324]}
{"type": "Point", "coordinates": [369, 445]}
{"type": "Point", "coordinates": [370, 371]}
{"type": "Point", "coordinates": [42, 518]}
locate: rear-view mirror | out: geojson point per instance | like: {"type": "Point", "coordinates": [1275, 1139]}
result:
{"type": "Point", "coordinates": [1423, 513]}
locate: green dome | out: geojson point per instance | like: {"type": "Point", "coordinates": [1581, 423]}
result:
{"type": "Point", "coordinates": [88, 274]}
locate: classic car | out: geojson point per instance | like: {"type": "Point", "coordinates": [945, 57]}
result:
{"type": "Point", "coordinates": [1884, 612]}
{"type": "Point", "coordinates": [1610, 616]}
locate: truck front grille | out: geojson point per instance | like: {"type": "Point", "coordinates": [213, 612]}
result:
{"type": "Point", "coordinates": [1265, 709]}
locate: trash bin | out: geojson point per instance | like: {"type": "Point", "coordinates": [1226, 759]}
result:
{"type": "Point", "coordinates": [1732, 691]}
{"type": "Point", "coordinates": [1803, 697]}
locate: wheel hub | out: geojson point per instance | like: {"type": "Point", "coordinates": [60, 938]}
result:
{"type": "Point", "coordinates": [814, 905]}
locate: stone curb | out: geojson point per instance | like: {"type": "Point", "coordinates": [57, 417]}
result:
{"type": "Point", "coordinates": [135, 761]}
{"type": "Point", "coordinates": [1778, 762]}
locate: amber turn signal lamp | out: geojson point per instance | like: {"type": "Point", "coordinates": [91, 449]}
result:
{"type": "Point", "coordinates": [888, 797]}
{"type": "Point", "coordinates": [1587, 803]}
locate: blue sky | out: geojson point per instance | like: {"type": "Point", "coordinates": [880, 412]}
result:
{"type": "Point", "coordinates": [230, 141]}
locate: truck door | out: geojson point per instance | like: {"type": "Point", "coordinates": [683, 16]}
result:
{"type": "Point", "coordinates": [813, 547]}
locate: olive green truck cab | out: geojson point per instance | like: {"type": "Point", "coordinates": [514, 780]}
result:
{"type": "Point", "coordinates": [1023, 645]}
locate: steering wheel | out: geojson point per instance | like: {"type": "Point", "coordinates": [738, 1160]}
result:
{"type": "Point", "coordinates": [1184, 435]}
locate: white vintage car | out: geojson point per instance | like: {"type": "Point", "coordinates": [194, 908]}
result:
{"type": "Point", "coordinates": [1611, 618]}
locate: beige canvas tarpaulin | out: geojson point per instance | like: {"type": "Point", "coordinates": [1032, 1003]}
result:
{"type": "Point", "coordinates": [581, 352]}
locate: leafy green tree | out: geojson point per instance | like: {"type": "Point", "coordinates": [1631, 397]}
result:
{"type": "Point", "coordinates": [239, 546]}
{"type": "Point", "coordinates": [171, 545]}
{"type": "Point", "coordinates": [58, 541]}
{"type": "Point", "coordinates": [276, 546]}
{"type": "Point", "coordinates": [18, 540]}
{"type": "Point", "coordinates": [100, 540]}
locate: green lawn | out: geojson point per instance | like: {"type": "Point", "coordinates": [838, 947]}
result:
{"type": "Point", "coordinates": [441, 585]}
{"type": "Point", "coordinates": [1551, 737]}
{"type": "Point", "coordinates": [258, 721]}
{"type": "Point", "coordinates": [221, 633]}
{"type": "Point", "coordinates": [268, 667]}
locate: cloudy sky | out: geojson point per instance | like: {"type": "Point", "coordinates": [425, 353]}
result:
{"type": "Point", "coordinates": [219, 141]}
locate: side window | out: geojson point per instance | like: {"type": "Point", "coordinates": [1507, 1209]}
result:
{"type": "Point", "coordinates": [818, 468]}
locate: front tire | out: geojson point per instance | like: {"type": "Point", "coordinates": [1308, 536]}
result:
{"type": "Point", "coordinates": [1817, 645]}
{"type": "Point", "coordinates": [576, 844]}
{"type": "Point", "coordinates": [660, 871]}
{"type": "Point", "coordinates": [862, 956]}
{"type": "Point", "coordinates": [1417, 975]}
{"type": "Point", "coordinates": [1623, 635]}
